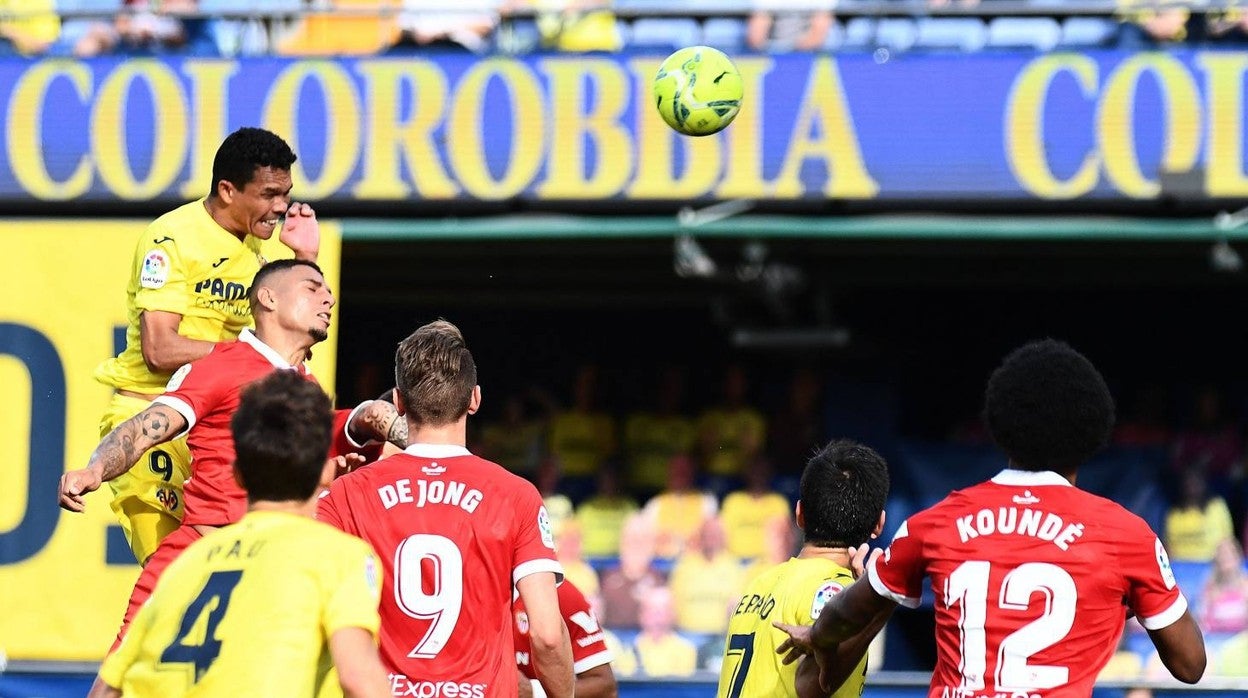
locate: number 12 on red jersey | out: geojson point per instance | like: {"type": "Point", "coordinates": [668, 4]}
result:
{"type": "Point", "coordinates": [967, 587]}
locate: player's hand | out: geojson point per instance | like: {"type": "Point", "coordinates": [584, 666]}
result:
{"type": "Point", "coordinates": [301, 232]}
{"type": "Point", "coordinates": [797, 644]}
{"type": "Point", "coordinates": [74, 485]}
{"type": "Point", "coordinates": [347, 464]}
{"type": "Point", "coordinates": [859, 558]}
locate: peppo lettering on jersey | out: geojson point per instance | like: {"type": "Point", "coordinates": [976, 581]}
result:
{"type": "Point", "coordinates": [1025, 522]}
{"type": "Point", "coordinates": [445, 492]}
{"type": "Point", "coordinates": [402, 686]}
{"type": "Point", "coordinates": [762, 606]}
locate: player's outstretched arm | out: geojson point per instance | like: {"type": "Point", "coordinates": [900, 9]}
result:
{"type": "Point", "coordinates": [301, 232]}
{"type": "Point", "coordinates": [119, 451]}
{"type": "Point", "coordinates": [378, 420]}
{"type": "Point", "coordinates": [598, 682]}
{"type": "Point", "coordinates": [164, 350]}
{"type": "Point", "coordinates": [360, 673]}
{"type": "Point", "coordinates": [840, 637]}
{"type": "Point", "coordinates": [551, 646]}
{"type": "Point", "coordinates": [1181, 648]}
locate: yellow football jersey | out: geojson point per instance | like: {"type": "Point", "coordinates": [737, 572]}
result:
{"type": "Point", "coordinates": [247, 611]}
{"type": "Point", "coordinates": [185, 263]}
{"type": "Point", "coordinates": [792, 592]}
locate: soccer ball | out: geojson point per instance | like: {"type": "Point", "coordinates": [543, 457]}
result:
{"type": "Point", "coordinates": [698, 91]}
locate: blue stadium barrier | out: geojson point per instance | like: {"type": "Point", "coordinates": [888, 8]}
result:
{"type": "Point", "coordinates": [1088, 32]}
{"type": "Point", "coordinates": [724, 33]}
{"type": "Point", "coordinates": [1037, 33]}
{"type": "Point", "coordinates": [665, 34]}
{"type": "Point", "coordinates": [950, 33]}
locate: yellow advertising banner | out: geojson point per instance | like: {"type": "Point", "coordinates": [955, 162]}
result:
{"type": "Point", "coordinates": [64, 577]}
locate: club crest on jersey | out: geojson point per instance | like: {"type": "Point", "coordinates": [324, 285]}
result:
{"type": "Point", "coordinates": [522, 622]}
{"type": "Point", "coordinates": [1163, 563]}
{"type": "Point", "coordinates": [175, 381]}
{"type": "Point", "coordinates": [433, 469]}
{"type": "Point", "coordinates": [155, 269]}
{"type": "Point", "coordinates": [823, 596]}
{"type": "Point", "coordinates": [547, 531]}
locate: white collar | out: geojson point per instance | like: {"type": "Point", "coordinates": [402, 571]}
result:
{"type": "Point", "coordinates": [1029, 478]}
{"type": "Point", "coordinates": [250, 339]}
{"type": "Point", "coordinates": [436, 450]}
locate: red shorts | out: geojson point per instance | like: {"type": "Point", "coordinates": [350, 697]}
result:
{"type": "Point", "coordinates": [168, 551]}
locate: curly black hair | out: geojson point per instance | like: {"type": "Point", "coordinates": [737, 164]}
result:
{"type": "Point", "coordinates": [1048, 407]}
{"type": "Point", "coordinates": [843, 490]}
{"type": "Point", "coordinates": [245, 150]}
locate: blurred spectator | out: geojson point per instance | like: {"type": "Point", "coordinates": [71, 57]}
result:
{"type": "Point", "coordinates": [652, 439]}
{"type": "Point", "coordinates": [679, 511]}
{"type": "Point", "coordinates": [30, 27]}
{"type": "Point", "coordinates": [660, 650]}
{"type": "Point", "coordinates": [779, 544]}
{"type": "Point", "coordinates": [798, 426]}
{"type": "Point", "coordinates": [344, 28]}
{"type": "Point", "coordinates": [575, 26]}
{"type": "Point", "coordinates": [581, 438]}
{"type": "Point", "coordinates": [515, 441]}
{"type": "Point", "coordinates": [1197, 522]}
{"type": "Point", "coordinates": [706, 582]}
{"type": "Point", "coordinates": [780, 26]}
{"type": "Point", "coordinates": [745, 513]}
{"type": "Point", "coordinates": [465, 25]}
{"type": "Point", "coordinates": [1144, 424]}
{"type": "Point", "coordinates": [634, 577]}
{"type": "Point", "coordinates": [602, 516]}
{"type": "Point", "coordinates": [1232, 658]}
{"type": "Point", "coordinates": [570, 554]}
{"type": "Point", "coordinates": [141, 26]}
{"type": "Point", "coordinates": [1124, 665]}
{"type": "Point", "coordinates": [1148, 23]}
{"type": "Point", "coordinates": [1212, 445]}
{"type": "Point", "coordinates": [711, 654]}
{"type": "Point", "coordinates": [558, 506]}
{"type": "Point", "coordinates": [731, 434]}
{"type": "Point", "coordinates": [623, 661]}
{"type": "Point", "coordinates": [1223, 606]}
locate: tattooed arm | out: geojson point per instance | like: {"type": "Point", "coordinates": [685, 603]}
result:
{"type": "Point", "coordinates": [119, 451]}
{"type": "Point", "coordinates": [378, 420]}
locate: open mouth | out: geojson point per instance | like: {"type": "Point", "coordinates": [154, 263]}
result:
{"type": "Point", "coordinates": [324, 316]}
{"type": "Point", "coordinates": [270, 223]}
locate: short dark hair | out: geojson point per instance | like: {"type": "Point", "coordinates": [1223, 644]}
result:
{"type": "Point", "coordinates": [1048, 407]}
{"type": "Point", "coordinates": [843, 490]}
{"type": "Point", "coordinates": [246, 150]}
{"type": "Point", "coordinates": [282, 432]}
{"type": "Point", "coordinates": [271, 268]}
{"type": "Point", "coordinates": [435, 373]}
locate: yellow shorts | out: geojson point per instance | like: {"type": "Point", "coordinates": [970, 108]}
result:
{"type": "Point", "coordinates": [148, 499]}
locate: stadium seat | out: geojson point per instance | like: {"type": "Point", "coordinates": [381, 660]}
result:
{"type": "Point", "coordinates": [518, 35]}
{"type": "Point", "coordinates": [858, 34]}
{"type": "Point", "coordinates": [896, 34]}
{"type": "Point", "coordinates": [665, 33]}
{"type": "Point", "coordinates": [1083, 32]}
{"type": "Point", "coordinates": [951, 33]}
{"type": "Point", "coordinates": [724, 33]}
{"type": "Point", "coordinates": [1038, 33]}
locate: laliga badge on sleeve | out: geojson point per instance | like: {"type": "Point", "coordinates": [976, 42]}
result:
{"type": "Point", "coordinates": [823, 596]}
{"type": "Point", "coordinates": [543, 525]}
{"type": "Point", "coordinates": [1163, 562]}
{"type": "Point", "coordinates": [155, 269]}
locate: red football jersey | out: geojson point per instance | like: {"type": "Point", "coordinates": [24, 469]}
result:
{"type": "Point", "coordinates": [206, 393]}
{"type": "Point", "coordinates": [1033, 578]}
{"type": "Point", "coordinates": [589, 644]}
{"type": "Point", "coordinates": [454, 533]}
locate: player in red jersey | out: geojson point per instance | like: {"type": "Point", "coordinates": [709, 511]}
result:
{"type": "Point", "coordinates": [454, 533]}
{"type": "Point", "coordinates": [1033, 577]}
{"type": "Point", "coordinates": [291, 306]}
{"type": "Point", "coordinates": [591, 660]}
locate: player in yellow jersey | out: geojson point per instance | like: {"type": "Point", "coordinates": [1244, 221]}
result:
{"type": "Point", "coordinates": [261, 607]}
{"type": "Point", "coordinates": [187, 291]}
{"type": "Point", "coordinates": [842, 506]}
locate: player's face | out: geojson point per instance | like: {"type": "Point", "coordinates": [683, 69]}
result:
{"type": "Point", "coordinates": [306, 303]}
{"type": "Point", "coordinates": [260, 205]}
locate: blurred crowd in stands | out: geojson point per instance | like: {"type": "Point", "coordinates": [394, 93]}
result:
{"type": "Point", "coordinates": [663, 512]}
{"type": "Point", "coordinates": [86, 28]}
